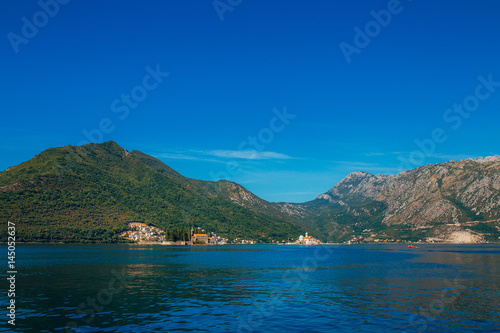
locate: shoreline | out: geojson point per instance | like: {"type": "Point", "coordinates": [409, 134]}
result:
{"type": "Point", "coordinates": [280, 244]}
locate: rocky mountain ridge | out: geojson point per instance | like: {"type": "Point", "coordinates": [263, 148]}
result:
{"type": "Point", "coordinates": [99, 187]}
{"type": "Point", "coordinates": [450, 193]}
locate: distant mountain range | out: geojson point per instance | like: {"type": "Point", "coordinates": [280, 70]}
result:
{"type": "Point", "coordinates": [90, 193]}
{"type": "Point", "coordinates": [452, 201]}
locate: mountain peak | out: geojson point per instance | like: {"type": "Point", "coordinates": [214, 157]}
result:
{"type": "Point", "coordinates": [488, 159]}
{"type": "Point", "coordinates": [90, 193]}
{"type": "Point", "coordinates": [359, 174]}
{"type": "Point", "coordinates": [356, 188]}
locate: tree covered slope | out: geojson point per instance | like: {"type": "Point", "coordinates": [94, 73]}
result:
{"type": "Point", "coordinates": [90, 193]}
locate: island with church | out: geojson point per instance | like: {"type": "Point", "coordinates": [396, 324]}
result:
{"type": "Point", "coordinates": [305, 240]}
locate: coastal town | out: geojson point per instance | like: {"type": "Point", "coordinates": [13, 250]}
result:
{"type": "Point", "coordinates": [145, 234]}
{"type": "Point", "coordinates": [142, 233]}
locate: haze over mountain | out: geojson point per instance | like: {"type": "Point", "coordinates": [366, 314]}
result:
{"type": "Point", "coordinates": [90, 193]}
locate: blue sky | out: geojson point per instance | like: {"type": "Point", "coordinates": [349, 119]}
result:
{"type": "Point", "coordinates": [267, 97]}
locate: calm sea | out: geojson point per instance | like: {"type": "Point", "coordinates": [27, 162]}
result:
{"type": "Point", "coordinates": [379, 288]}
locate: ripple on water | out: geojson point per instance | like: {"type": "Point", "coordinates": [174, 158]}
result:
{"type": "Point", "coordinates": [261, 289]}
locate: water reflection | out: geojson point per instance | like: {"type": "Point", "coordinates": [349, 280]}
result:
{"type": "Point", "coordinates": [258, 288]}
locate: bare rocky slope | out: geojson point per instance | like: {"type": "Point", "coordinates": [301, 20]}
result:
{"type": "Point", "coordinates": [452, 201]}
{"type": "Point", "coordinates": [451, 192]}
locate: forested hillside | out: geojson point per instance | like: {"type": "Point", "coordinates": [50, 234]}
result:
{"type": "Point", "coordinates": [90, 193]}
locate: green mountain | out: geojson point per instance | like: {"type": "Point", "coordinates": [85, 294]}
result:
{"type": "Point", "coordinates": [90, 193]}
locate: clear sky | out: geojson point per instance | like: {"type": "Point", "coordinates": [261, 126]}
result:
{"type": "Point", "coordinates": [283, 97]}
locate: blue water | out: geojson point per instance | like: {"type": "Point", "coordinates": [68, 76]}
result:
{"type": "Point", "coordinates": [379, 288]}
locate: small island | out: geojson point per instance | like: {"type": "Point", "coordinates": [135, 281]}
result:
{"type": "Point", "coordinates": [306, 240]}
